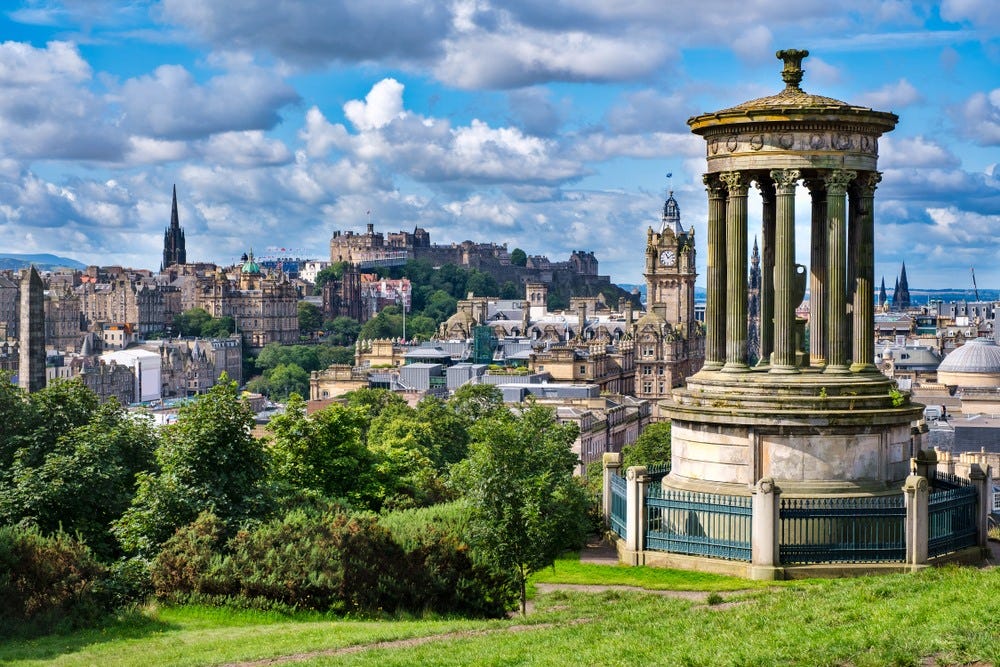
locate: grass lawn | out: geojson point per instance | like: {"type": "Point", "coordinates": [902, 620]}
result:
{"type": "Point", "coordinates": [948, 614]}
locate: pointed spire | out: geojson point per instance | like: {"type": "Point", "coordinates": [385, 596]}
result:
{"type": "Point", "coordinates": [882, 298]}
{"type": "Point", "coordinates": [755, 254]}
{"type": "Point", "coordinates": [173, 238]}
{"type": "Point", "coordinates": [175, 222]}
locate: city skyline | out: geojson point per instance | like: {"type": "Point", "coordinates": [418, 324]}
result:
{"type": "Point", "coordinates": [549, 130]}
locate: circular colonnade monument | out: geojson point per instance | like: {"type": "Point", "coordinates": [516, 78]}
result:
{"type": "Point", "coordinates": [815, 422]}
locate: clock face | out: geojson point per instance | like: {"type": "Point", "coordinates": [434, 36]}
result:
{"type": "Point", "coordinates": [668, 258]}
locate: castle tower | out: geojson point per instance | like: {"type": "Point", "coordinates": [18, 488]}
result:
{"type": "Point", "coordinates": [173, 239]}
{"type": "Point", "coordinates": [31, 372]}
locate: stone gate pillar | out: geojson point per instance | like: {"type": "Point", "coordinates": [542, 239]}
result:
{"type": "Point", "coordinates": [637, 480]}
{"type": "Point", "coordinates": [765, 531]}
{"type": "Point", "coordinates": [916, 493]}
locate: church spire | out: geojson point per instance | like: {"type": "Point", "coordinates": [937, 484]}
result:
{"type": "Point", "coordinates": [882, 298]}
{"type": "Point", "coordinates": [173, 238]}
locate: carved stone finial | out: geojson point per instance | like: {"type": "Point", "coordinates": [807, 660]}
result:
{"type": "Point", "coordinates": [792, 72]}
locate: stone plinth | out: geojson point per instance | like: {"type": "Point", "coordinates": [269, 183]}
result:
{"type": "Point", "coordinates": [812, 433]}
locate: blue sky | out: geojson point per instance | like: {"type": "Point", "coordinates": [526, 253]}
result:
{"type": "Point", "coordinates": [549, 126]}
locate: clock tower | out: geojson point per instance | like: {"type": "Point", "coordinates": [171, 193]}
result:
{"type": "Point", "coordinates": [670, 345]}
{"type": "Point", "coordinates": [670, 269]}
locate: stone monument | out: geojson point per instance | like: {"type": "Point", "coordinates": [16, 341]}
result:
{"type": "Point", "coordinates": [817, 421]}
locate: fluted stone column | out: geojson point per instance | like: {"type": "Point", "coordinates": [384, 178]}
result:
{"type": "Point", "coordinates": [715, 311]}
{"type": "Point", "coordinates": [767, 284]}
{"type": "Point", "coordinates": [837, 181]}
{"type": "Point", "coordinates": [817, 273]}
{"type": "Point", "coordinates": [864, 289]}
{"type": "Point", "coordinates": [784, 270]}
{"type": "Point", "coordinates": [737, 184]}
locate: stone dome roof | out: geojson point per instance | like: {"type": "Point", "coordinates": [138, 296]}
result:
{"type": "Point", "coordinates": [981, 355]}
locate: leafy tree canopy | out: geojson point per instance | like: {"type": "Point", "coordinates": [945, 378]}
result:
{"type": "Point", "coordinates": [526, 505]}
{"type": "Point", "coordinates": [518, 257]}
{"type": "Point", "coordinates": [209, 460]}
{"type": "Point", "coordinates": [652, 447]}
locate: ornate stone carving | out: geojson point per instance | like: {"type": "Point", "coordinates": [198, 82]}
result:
{"type": "Point", "coordinates": [842, 141]}
{"type": "Point", "coordinates": [786, 140]}
{"type": "Point", "coordinates": [731, 143]}
{"type": "Point", "coordinates": [735, 182]}
{"type": "Point", "coordinates": [786, 179]}
{"type": "Point", "coordinates": [837, 180]}
{"type": "Point", "coordinates": [756, 142]}
{"type": "Point", "coordinates": [817, 141]}
{"type": "Point", "coordinates": [791, 74]}
{"type": "Point", "coordinates": [714, 185]}
{"type": "Point", "coordinates": [713, 146]}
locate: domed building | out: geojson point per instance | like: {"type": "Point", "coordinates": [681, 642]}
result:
{"type": "Point", "coordinates": [975, 364]}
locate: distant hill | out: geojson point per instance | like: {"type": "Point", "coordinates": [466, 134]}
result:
{"type": "Point", "coordinates": [43, 262]}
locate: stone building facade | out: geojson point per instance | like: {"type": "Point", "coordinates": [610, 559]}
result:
{"type": "Point", "coordinates": [63, 326]}
{"type": "Point", "coordinates": [264, 307]}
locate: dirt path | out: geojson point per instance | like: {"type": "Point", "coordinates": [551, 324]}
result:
{"type": "Point", "coordinates": [396, 643]}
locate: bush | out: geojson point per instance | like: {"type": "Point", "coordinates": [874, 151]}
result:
{"type": "Point", "coordinates": [305, 560]}
{"type": "Point", "coordinates": [48, 582]}
{"type": "Point", "coordinates": [179, 569]}
{"type": "Point", "coordinates": [324, 559]}
{"type": "Point", "coordinates": [443, 574]}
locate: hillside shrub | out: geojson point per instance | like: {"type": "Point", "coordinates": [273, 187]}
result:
{"type": "Point", "coordinates": [442, 573]}
{"type": "Point", "coordinates": [48, 581]}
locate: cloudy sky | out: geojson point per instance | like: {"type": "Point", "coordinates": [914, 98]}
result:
{"type": "Point", "coordinates": [550, 126]}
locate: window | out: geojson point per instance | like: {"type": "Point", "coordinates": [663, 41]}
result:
{"type": "Point", "coordinates": [647, 370]}
{"type": "Point", "coordinates": [583, 369]}
{"type": "Point", "coordinates": [647, 387]}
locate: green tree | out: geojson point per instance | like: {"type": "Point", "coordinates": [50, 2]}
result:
{"type": "Point", "coordinates": [510, 291]}
{"type": "Point", "coordinates": [209, 460]}
{"type": "Point", "coordinates": [323, 452]}
{"type": "Point", "coordinates": [440, 306]}
{"type": "Point", "coordinates": [652, 447]}
{"type": "Point", "coordinates": [518, 257]}
{"type": "Point", "coordinates": [342, 330]}
{"type": "Point", "coordinates": [86, 481]}
{"type": "Point", "coordinates": [526, 505]}
{"type": "Point", "coordinates": [190, 322]}
{"type": "Point", "coordinates": [310, 318]}
{"type": "Point", "coordinates": [481, 284]}
{"type": "Point", "coordinates": [403, 448]}
{"type": "Point", "coordinates": [387, 324]}
{"type": "Point", "coordinates": [218, 327]}
{"type": "Point", "coordinates": [285, 380]}
{"type": "Point", "coordinates": [473, 402]}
